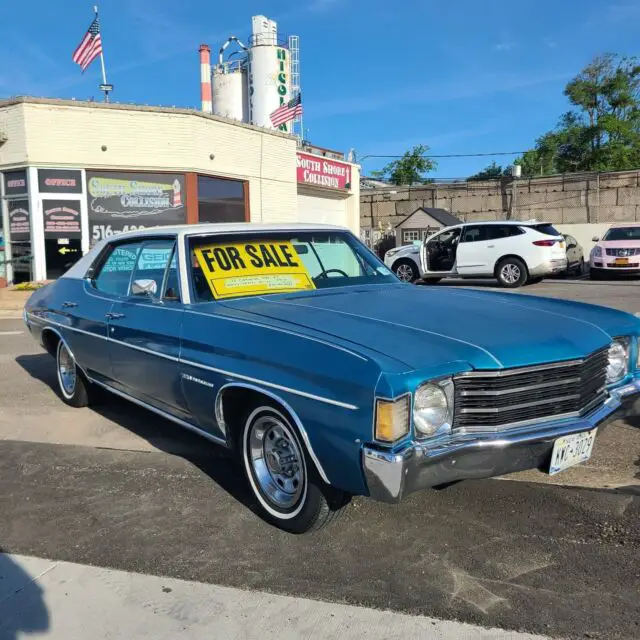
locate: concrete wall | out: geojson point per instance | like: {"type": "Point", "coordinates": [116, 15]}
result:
{"type": "Point", "coordinates": [61, 134]}
{"type": "Point", "coordinates": [568, 199]}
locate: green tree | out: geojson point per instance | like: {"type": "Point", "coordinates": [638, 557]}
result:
{"type": "Point", "coordinates": [491, 172]}
{"type": "Point", "coordinates": [409, 169]}
{"type": "Point", "coordinates": [602, 131]}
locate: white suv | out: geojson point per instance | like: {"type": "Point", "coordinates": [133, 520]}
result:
{"type": "Point", "coordinates": [512, 252]}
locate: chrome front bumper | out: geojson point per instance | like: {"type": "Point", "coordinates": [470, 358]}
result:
{"type": "Point", "coordinates": [392, 475]}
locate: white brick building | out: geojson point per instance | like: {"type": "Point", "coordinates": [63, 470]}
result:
{"type": "Point", "coordinates": [71, 172]}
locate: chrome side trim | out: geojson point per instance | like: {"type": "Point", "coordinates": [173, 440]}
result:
{"type": "Point", "coordinates": [272, 385]}
{"type": "Point", "coordinates": [160, 412]}
{"type": "Point", "coordinates": [285, 405]}
{"type": "Point", "coordinates": [395, 324]}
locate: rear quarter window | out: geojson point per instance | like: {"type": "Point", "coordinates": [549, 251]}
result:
{"type": "Point", "coordinates": [547, 229]}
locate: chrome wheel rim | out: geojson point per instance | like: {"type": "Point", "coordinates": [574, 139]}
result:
{"type": "Point", "coordinates": [276, 461]}
{"type": "Point", "coordinates": [404, 272]}
{"type": "Point", "coordinates": [66, 370]}
{"type": "Point", "coordinates": [510, 273]}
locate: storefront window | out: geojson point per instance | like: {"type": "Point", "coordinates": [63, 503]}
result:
{"type": "Point", "coordinates": [220, 200]}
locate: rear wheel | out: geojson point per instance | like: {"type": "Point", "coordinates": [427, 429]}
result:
{"type": "Point", "coordinates": [71, 381]}
{"type": "Point", "coordinates": [406, 270]}
{"type": "Point", "coordinates": [511, 273]}
{"type": "Point", "coordinates": [282, 477]}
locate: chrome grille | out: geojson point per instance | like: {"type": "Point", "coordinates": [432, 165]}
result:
{"type": "Point", "coordinates": [497, 400]}
{"type": "Point", "coordinates": [623, 253]}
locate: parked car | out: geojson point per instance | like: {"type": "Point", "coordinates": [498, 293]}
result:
{"type": "Point", "coordinates": [296, 348]}
{"type": "Point", "coordinates": [617, 253]}
{"type": "Point", "coordinates": [575, 255]}
{"type": "Point", "coordinates": [514, 253]}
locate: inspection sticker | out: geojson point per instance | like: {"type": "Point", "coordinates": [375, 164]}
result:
{"type": "Point", "coordinates": [253, 268]}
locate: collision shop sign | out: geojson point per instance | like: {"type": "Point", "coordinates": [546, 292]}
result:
{"type": "Point", "coordinates": [252, 268]}
{"type": "Point", "coordinates": [323, 172]}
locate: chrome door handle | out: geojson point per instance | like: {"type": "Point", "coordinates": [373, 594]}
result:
{"type": "Point", "coordinates": [68, 305]}
{"type": "Point", "coordinates": [113, 316]}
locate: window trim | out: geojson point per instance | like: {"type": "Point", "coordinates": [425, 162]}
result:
{"type": "Point", "coordinates": [111, 245]}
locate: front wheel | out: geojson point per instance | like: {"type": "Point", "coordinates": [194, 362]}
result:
{"type": "Point", "coordinates": [282, 477]}
{"type": "Point", "coordinates": [406, 270]}
{"type": "Point", "coordinates": [511, 273]}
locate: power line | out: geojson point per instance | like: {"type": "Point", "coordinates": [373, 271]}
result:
{"type": "Point", "coordinates": [450, 155]}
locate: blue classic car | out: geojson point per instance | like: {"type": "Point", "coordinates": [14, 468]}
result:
{"type": "Point", "coordinates": [294, 346]}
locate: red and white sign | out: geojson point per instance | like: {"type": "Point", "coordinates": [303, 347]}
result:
{"type": "Point", "coordinates": [323, 172]}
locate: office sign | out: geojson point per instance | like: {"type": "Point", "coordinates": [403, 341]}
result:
{"type": "Point", "coordinates": [125, 201]}
{"type": "Point", "coordinates": [61, 218]}
{"type": "Point", "coordinates": [59, 181]}
{"type": "Point", "coordinates": [19, 220]}
{"type": "Point", "coordinates": [15, 183]}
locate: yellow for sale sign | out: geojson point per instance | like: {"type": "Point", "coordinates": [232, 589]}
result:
{"type": "Point", "coordinates": [252, 268]}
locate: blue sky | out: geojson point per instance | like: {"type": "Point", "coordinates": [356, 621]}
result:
{"type": "Point", "coordinates": [463, 76]}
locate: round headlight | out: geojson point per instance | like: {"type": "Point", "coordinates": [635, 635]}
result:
{"type": "Point", "coordinates": [431, 411]}
{"type": "Point", "coordinates": [618, 362]}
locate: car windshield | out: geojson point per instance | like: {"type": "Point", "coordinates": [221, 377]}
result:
{"type": "Point", "coordinates": [280, 262]}
{"type": "Point", "coordinates": [622, 233]}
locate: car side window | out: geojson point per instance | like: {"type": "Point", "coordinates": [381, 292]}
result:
{"type": "Point", "coordinates": [152, 273]}
{"type": "Point", "coordinates": [499, 231]}
{"type": "Point", "coordinates": [115, 274]}
{"type": "Point", "coordinates": [475, 233]}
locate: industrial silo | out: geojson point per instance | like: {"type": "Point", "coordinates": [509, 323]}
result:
{"type": "Point", "coordinates": [269, 72]}
{"type": "Point", "coordinates": [230, 83]}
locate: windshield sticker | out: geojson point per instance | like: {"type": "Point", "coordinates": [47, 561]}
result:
{"type": "Point", "coordinates": [252, 268]}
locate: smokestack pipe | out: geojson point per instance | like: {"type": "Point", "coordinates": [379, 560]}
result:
{"type": "Point", "coordinates": [205, 78]}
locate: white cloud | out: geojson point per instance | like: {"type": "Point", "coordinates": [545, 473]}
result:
{"type": "Point", "coordinates": [463, 88]}
{"type": "Point", "coordinates": [504, 46]}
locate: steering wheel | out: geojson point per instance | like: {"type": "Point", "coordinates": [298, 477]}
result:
{"type": "Point", "coordinates": [325, 273]}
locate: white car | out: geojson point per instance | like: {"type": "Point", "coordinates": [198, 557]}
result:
{"type": "Point", "coordinates": [513, 252]}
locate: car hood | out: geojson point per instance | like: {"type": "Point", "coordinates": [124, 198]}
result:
{"type": "Point", "coordinates": [422, 326]}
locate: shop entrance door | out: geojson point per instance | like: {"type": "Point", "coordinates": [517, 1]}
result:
{"type": "Point", "coordinates": [62, 235]}
{"type": "Point", "coordinates": [60, 255]}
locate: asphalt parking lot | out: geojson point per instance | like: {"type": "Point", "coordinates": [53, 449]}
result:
{"type": "Point", "coordinates": [118, 487]}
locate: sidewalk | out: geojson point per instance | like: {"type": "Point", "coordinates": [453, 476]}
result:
{"type": "Point", "coordinates": [68, 601]}
{"type": "Point", "coordinates": [12, 302]}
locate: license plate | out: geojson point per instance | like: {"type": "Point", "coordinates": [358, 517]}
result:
{"type": "Point", "coordinates": [621, 261]}
{"type": "Point", "coordinates": [571, 450]}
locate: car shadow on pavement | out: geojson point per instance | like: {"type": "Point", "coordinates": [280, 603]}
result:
{"type": "Point", "coordinates": [22, 606]}
{"type": "Point", "coordinates": [217, 462]}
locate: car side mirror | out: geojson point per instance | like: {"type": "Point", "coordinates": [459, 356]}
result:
{"type": "Point", "coordinates": [595, 239]}
{"type": "Point", "coordinates": [144, 288]}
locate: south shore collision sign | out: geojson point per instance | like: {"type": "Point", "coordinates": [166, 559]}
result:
{"type": "Point", "coordinates": [252, 268]}
{"type": "Point", "coordinates": [323, 172]}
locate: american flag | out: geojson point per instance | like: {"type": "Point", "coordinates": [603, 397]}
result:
{"type": "Point", "coordinates": [90, 47]}
{"type": "Point", "coordinates": [287, 111]}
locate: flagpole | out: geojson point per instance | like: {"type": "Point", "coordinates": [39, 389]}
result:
{"type": "Point", "coordinates": [105, 87]}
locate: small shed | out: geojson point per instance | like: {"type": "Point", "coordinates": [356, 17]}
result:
{"type": "Point", "coordinates": [422, 223]}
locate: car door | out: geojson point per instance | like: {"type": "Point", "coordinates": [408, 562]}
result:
{"type": "Point", "coordinates": [473, 251]}
{"type": "Point", "coordinates": [573, 256]}
{"type": "Point", "coordinates": [145, 328]}
{"type": "Point", "coordinates": [431, 257]}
